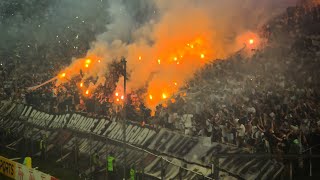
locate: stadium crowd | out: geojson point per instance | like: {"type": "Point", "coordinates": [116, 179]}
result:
{"type": "Point", "coordinates": [268, 102]}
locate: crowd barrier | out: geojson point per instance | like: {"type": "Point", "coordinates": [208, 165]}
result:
{"type": "Point", "coordinates": [147, 147]}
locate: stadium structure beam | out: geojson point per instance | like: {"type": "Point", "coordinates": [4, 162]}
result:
{"type": "Point", "coordinates": [124, 61]}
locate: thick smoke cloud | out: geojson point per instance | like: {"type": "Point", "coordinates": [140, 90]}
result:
{"type": "Point", "coordinates": [164, 41]}
{"type": "Point", "coordinates": [167, 41]}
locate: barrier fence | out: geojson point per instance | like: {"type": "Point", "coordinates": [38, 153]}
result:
{"type": "Point", "coordinates": [73, 139]}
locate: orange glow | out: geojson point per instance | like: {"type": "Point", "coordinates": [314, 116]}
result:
{"type": "Point", "coordinates": [118, 99]}
{"type": "Point", "coordinates": [63, 75]}
{"type": "Point", "coordinates": [202, 56]}
{"type": "Point", "coordinates": [173, 100]}
{"type": "Point", "coordinates": [175, 58]}
{"type": "Point", "coordinates": [140, 58]}
{"type": "Point", "coordinates": [87, 65]}
{"type": "Point", "coordinates": [164, 96]}
{"type": "Point", "coordinates": [81, 84]}
{"type": "Point", "coordinates": [251, 41]}
{"type": "Point", "coordinates": [99, 61]}
{"type": "Point", "coordinates": [117, 94]}
{"type": "Point", "coordinates": [88, 61]}
{"type": "Point", "coordinates": [150, 97]}
{"type": "Point", "coordinates": [175, 84]}
{"type": "Point", "coordinates": [191, 46]}
{"type": "Point", "coordinates": [87, 92]}
{"type": "Point", "coordinates": [178, 62]}
{"type": "Point", "coordinates": [159, 61]}
{"type": "Point", "coordinates": [122, 97]}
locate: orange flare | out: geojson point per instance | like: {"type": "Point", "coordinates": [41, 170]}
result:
{"type": "Point", "coordinates": [117, 94]}
{"type": "Point", "coordinates": [173, 100]}
{"type": "Point", "coordinates": [88, 61]}
{"type": "Point", "coordinates": [150, 97]}
{"type": "Point", "coordinates": [159, 61]}
{"type": "Point", "coordinates": [81, 84]}
{"type": "Point", "coordinates": [87, 65]}
{"type": "Point", "coordinates": [122, 97]}
{"type": "Point", "coordinates": [164, 96]}
{"type": "Point", "coordinates": [251, 41]}
{"type": "Point", "coordinates": [202, 56]}
{"type": "Point", "coordinates": [63, 75]}
{"type": "Point", "coordinates": [87, 92]}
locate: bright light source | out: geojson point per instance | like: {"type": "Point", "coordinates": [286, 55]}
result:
{"type": "Point", "coordinates": [159, 61]}
{"type": "Point", "coordinates": [81, 84]}
{"type": "Point", "coordinates": [150, 97]}
{"type": "Point", "coordinates": [164, 96]}
{"type": "Point", "coordinates": [87, 92]}
{"type": "Point", "coordinates": [117, 94]}
{"type": "Point", "coordinates": [63, 75]}
{"type": "Point", "coordinates": [251, 41]}
{"type": "Point", "coordinates": [122, 97]}
{"type": "Point", "coordinates": [88, 61]}
{"type": "Point", "coordinates": [202, 56]}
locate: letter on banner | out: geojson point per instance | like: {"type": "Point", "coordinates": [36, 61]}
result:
{"type": "Point", "coordinates": [7, 167]}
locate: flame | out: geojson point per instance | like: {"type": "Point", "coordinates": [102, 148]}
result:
{"type": "Point", "coordinates": [63, 75]}
{"type": "Point", "coordinates": [179, 52]}
{"type": "Point", "coordinates": [164, 96]}
{"type": "Point", "coordinates": [87, 92]}
{"type": "Point", "coordinates": [81, 84]}
{"type": "Point", "coordinates": [88, 61]}
{"type": "Point", "coordinates": [251, 41]}
{"type": "Point", "coordinates": [122, 97]}
{"type": "Point", "coordinates": [118, 99]}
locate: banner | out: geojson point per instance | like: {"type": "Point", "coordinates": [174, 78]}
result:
{"type": "Point", "coordinates": [7, 167]}
{"type": "Point", "coordinates": [25, 173]}
{"type": "Point", "coordinates": [194, 153]}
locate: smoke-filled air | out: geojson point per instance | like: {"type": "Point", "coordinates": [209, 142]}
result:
{"type": "Point", "coordinates": [166, 41]}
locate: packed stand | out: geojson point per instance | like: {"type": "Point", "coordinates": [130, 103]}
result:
{"type": "Point", "coordinates": [268, 102]}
